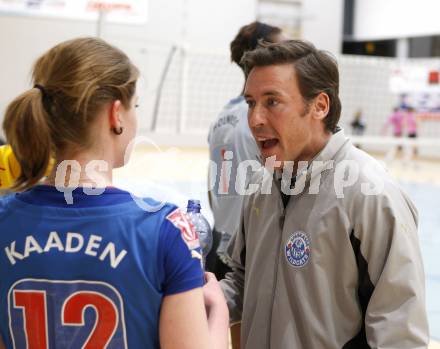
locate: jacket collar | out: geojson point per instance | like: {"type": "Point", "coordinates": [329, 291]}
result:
{"type": "Point", "coordinates": [336, 142]}
{"type": "Point", "coordinates": [316, 166]}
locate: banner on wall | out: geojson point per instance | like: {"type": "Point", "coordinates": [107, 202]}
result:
{"type": "Point", "coordinates": [414, 79]}
{"type": "Point", "coordinates": [117, 11]}
{"type": "Point", "coordinates": [417, 86]}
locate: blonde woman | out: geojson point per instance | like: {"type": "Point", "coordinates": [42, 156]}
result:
{"type": "Point", "coordinates": [95, 271]}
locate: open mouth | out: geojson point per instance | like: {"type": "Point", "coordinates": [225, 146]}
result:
{"type": "Point", "coordinates": [269, 143]}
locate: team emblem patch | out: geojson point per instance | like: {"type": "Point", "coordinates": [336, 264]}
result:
{"type": "Point", "coordinates": [181, 221]}
{"type": "Point", "coordinates": [297, 249]}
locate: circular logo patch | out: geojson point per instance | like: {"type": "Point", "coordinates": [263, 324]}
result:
{"type": "Point", "coordinates": [297, 249]}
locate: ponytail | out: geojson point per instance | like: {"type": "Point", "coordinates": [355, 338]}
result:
{"type": "Point", "coordinates": [78, 78]}
{"type": "Point", "coordinates": [28, 131]}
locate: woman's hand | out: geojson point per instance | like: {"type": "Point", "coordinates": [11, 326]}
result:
{"type": "Point", "coordinates": [216, 310]}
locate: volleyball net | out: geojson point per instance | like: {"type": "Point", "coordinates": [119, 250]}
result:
{"type": "Point", "coordinates": [185, 90]}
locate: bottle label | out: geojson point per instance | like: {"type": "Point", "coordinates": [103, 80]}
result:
{"type": "Point", "coordinates": [187, 231]}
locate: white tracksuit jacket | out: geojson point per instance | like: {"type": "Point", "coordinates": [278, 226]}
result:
{"type": "Point", "coordinates": [329, 272]}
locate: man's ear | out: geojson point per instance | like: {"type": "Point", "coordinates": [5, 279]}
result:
{"type": "Point", "coordinates": [114, 114]}
{"type": "Point", "coordinates": [321, 106]}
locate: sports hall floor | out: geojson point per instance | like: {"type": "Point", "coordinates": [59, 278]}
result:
{"type": "Point", "coordinates": [175, 174]}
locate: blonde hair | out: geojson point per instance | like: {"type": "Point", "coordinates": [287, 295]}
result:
{"type": "Point", "coordinates": [73, 81]}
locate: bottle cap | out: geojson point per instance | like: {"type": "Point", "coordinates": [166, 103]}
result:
{"type": "Point", "coordinates": [193, 206]}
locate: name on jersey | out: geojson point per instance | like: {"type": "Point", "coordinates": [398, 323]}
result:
{"type": "Point", "coordinates": [229, 119]}
{"type": "Point", "coordinates": [71, 243]}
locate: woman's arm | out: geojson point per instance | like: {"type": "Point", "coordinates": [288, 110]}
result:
{"type": "Point", "coordinates": [184, 323]}
{"type": "Point", "coordinates": [217, 311]}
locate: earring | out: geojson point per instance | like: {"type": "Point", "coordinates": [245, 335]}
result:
{"type": "Point", "coordinates": [118, 130]}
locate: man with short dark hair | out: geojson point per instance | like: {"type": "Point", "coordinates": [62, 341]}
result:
{"type": "Point", "coordinates": [327, 253]}
{"type": "Point", "coordinates": [229, 137]}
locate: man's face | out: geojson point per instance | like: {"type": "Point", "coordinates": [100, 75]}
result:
{"type": "Point", "coordinates": [280, 121]}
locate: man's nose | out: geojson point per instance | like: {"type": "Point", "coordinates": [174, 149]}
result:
{"type": "Point", "coordinates": [256, 117]}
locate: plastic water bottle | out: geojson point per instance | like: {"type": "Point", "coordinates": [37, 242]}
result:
{"type": "Point", "coordinates": [201, 226]}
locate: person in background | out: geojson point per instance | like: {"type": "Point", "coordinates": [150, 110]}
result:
{"type": "Point", "coordinates": [403, 123]}
{"type": "Point", "coordinates": [411, 132]}
{"type": "Point", "coordinates": [95, 269]}
{"type": "Point", "coordinates": [9, 167]}
{"type": "Point", "coordinates": [411, 123]}
{"type": "Point", "coordinates": [358, 125]}
{"type": "Point", "coordinates": [230, 139]}
{"type": "Point", "coordinates": [395, 120]}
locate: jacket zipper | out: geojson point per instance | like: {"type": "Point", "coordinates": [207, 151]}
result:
{"type": "Point", "coordinates": [277, 262]}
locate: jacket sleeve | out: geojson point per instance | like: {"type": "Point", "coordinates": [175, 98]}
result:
{"type": "Point", "coordinates": [391, 274]}
{"type": "Point", "coordinates": [233, 284]}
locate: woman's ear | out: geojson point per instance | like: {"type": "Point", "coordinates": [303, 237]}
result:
{"type": "Point", "coordinates": [115, 114]}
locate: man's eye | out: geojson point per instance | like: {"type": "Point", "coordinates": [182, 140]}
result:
{"type": "Point", "coordinates": [250, 103]}
{"type": "Point", "coordinates": [272, 102]}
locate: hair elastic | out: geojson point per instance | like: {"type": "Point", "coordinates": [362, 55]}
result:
{"type": "Point", "coordinates": [41, 88]}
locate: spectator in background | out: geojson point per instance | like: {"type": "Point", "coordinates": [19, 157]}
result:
{"type": "Point", "coordinates": [403, 123]}
{"type": "Point", "coordinates": [230, 139]}
{"type": "Point", "coordinates": [358, 125]}
{"type": "Point", "coordinates": [395, 120]}
{"type": "Point", "coordinates": [411, 132]}
{"type": "Point", "coordinates": [411, 123]}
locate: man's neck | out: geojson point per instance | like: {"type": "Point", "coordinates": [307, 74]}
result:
{"type": "Point", "coordinates": [316, 147]}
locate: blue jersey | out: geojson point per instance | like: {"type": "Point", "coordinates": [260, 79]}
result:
{"type": "Point", "coordinates": [91, 274]}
